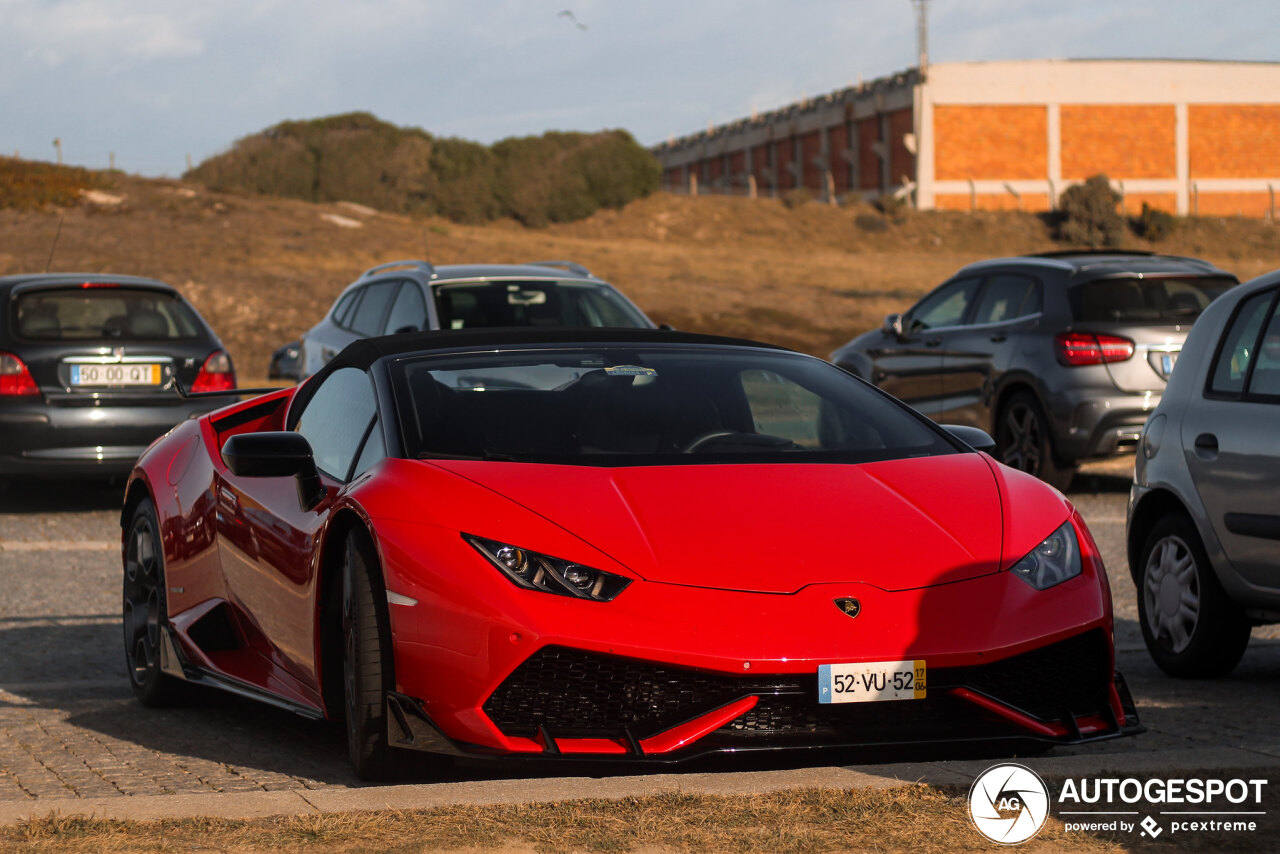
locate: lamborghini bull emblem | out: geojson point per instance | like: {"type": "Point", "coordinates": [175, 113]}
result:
{"type": "Point", "coordinates": [849, 607]}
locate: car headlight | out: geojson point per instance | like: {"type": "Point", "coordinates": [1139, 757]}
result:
{"type": "Point", "coordinates": [535, 571]}
{"type": "Point", "coordinates": [1054, 561]}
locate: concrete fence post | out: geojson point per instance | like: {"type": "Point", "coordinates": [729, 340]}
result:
{"type": "Point", "coordinates": [693, 183]}
{"type": "Point", "coordinates": [751, 186]}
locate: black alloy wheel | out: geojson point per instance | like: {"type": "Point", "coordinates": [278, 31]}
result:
{"type": "Point", "coordinates": [367, 664]}
{"type": "Point", "coordinates": [1024, 442]}
{"type": "Point", "coordinates": [144, 610]}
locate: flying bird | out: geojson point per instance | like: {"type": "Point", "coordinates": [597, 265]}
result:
{"type": "Point", "coordinates": [572, 17]}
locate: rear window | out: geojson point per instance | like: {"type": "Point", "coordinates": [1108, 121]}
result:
{"type": "Point", "coordinates": [533, 303]}
{"type": "Point", "coordinates": [1154, 300]}
{"type": "Point", "coordinates": [97, 313]}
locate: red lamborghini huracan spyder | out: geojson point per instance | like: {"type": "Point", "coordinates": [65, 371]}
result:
{"type": "Point", "coordinates": [627, 544]}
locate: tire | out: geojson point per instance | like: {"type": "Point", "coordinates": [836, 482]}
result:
{"type": "Point", "coordinates": [145, 613]}
{"type": "Point", "coordinates": [367, 664]}
{"type": "Point", "coordinates": [1024, 441]}
{"type": "Point", "coordinates": [1190, 626]}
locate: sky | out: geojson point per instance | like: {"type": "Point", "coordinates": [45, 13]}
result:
{"type": "Point", "coordinates": [156, 81]}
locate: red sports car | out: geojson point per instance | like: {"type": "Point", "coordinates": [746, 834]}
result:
{"type": "Point", "coordinates": [625, 544]}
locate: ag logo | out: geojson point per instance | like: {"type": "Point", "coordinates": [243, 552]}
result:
{"type": "Point", "coordinates": [1008, 803]}
{"type": "Point", "coordinates": [849, 607]}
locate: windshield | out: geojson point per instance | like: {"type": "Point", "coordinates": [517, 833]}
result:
{"type": "Point", "coordinates": [102, 312]}
{"type": "Point", "coordinates": [1152, 300]}
{"type": "Point", "coordinates": [650, 406]}
{"type": "Point", "coordinates": [534, 303]}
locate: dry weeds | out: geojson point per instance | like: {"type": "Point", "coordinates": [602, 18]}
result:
{"type": "Point", "coordinates": [263, 270]}
{"type": "Point", "coordinates": [919, 819]}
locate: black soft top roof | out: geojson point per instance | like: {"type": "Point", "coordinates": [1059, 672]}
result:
{"type": "Point", "coordinates": [366, 351]}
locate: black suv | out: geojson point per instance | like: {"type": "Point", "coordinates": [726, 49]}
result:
{"type": "Point", "coordinates": [1060, 356]}
{"type": "Point", "coordinates": [87, 369]}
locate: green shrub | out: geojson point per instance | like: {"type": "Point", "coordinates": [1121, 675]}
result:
{"type": "Point", "coordinates": [556, 177]}
{"type": "Point", "coordinates": [31, 185]}
{"type": "Point", "coordinates": [1089, 215]}
{"type": "Point", "coordinates": [466, 181]}
{"type": "Point", "coordinates": [1154, 224]}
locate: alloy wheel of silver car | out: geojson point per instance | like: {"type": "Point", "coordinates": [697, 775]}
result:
{"type": "Point", "coordinates": [1189, 623]}
{"type": "Point", "coordinates": [1171, 592]}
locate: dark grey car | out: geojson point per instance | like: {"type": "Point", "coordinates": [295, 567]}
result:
{"type": "Point", "coordinates": [1204, 511]}
{"type": "Point", "coordinates": [414, 296]}
{"type": "Point", "coordinates": [1060, 356]}
{"type": "Point", "coordinates": [87, 364]}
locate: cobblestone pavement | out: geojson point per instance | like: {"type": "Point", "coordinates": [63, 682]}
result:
{"type": "Point", "coordinates": [69, 726]}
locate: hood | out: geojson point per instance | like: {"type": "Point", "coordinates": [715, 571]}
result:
{"type": "Point", "coordinates": [770, 527]}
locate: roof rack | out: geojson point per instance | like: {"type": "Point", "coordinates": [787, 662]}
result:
{"type": "Point", "coordinates": [423, 266]}
{"type": "Point", "coordinates": [1067, 253]}
{"type": "Point", "coordinates": [572, 266]}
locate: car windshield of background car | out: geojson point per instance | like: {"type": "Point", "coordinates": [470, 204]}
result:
{"type": "Point", "coordinates": [638, 406]}
{"type": "Point", "coordinates": [1153, 300]}
{"type": "Point", "coordinates": [102, 313]}
{"type": "Point", "coordinates": [533, 303]}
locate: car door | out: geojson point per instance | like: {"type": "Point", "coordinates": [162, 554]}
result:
{"type": "Point", "coordinates": [1231, 439]}
{"type": "Point", "coordinates": [268, 542]}
{"type": "Point", "coordinates": [976, 353]}
{"type": "Point", "coordinates": [909, 366]}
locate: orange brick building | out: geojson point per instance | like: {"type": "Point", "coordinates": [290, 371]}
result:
{"type": "Point", "coordinates": [1188, 137]}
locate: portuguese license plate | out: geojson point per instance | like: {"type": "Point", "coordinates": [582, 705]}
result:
{"type": "Point", "coordinates": [115, 375]}
{"type": "Point", "coordinates": [869, 681]}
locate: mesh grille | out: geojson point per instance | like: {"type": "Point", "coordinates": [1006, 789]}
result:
{"type": "Point", "coordinates": [576, 693]}
{"type": "Point", "coordinates": [1068, 677]}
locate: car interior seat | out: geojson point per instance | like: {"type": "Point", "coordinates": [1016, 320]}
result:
{"type": "Point", "coordinates": [147, 323]}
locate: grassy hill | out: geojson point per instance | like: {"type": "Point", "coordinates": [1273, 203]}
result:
{"type": "Point", "coordinates": [262, 270]}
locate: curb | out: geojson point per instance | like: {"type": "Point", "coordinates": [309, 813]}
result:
{"type": "Point", "coordinates": [252, 805]}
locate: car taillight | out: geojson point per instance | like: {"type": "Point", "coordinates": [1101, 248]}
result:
{"type": "Point", "coordinates": [216, 374]}
{"type": "Point", "coordinates": [15, 379]}
{"type": "Point", "coordinates": [1086, 348]}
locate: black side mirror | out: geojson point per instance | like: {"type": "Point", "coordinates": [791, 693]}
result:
{"type": "Point", "coordinates": [979, 440]}
{"type": "Point", "coordinates": [279, 453]}
{"type": "Point", "coordinates": [893, 325]}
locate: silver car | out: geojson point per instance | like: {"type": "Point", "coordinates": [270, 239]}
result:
{"type": "Point", "coordinates": [1061, 356]}
{"type": "Point", "coordinates": [1204, 511]}
{"type": "Point", "coordinates": [415, 296]}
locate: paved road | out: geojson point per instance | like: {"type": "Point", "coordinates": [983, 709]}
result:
{"type": "Point", "coordinates": [69, 727]}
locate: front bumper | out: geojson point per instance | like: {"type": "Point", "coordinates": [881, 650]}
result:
{"type": "Point", "coordinates": [569, 703]}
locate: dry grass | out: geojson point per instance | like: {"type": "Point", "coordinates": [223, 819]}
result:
{"type": "Point", "coordinates": [263, 270]}
{"type": "Point", "coordinates": [919, 819]}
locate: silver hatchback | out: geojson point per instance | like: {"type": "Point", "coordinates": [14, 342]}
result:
{"type": "Point", "coordinates": [1204, 511]}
